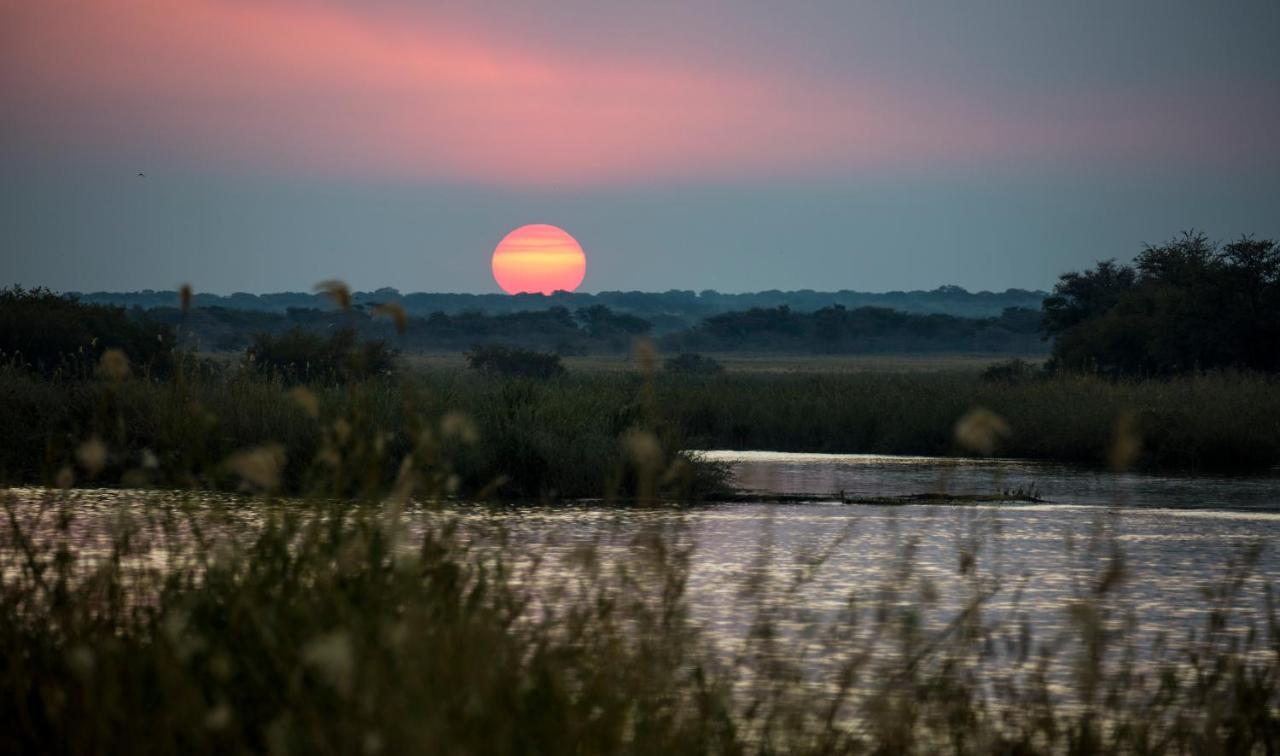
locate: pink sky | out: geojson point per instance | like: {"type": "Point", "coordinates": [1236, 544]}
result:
{"type": "Point", "coordinates": [332, 90]}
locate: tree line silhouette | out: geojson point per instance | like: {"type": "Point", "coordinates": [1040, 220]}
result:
{"type": "Point", "coordinates": [1183, 306]}
{"type": "Point", "coordinates": [1186, 305]}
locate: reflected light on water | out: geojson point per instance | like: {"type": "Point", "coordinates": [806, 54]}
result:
{"type": "Point", "coordinates": [1038, 557]}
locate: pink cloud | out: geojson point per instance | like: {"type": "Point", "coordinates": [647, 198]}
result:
{"type": "Point", "coordinates": [304, 89]}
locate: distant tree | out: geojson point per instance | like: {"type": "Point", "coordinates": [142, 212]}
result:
{"type": "Point", "coordinates": [1184, 305]}
{"type": "Point", "coordinates": [837, 329]}
{"type": "Point", "coordinates": [1013, 371]}
{"type": "Point", "coordinates": [1081, 296]}
{"type": "Point", "coordinates": [53, 333]}
{"type": "Point", "coordinates": [693, 364]}
{"type": "Point", "coordinates": [303, 356]}
{"type": "Point", "coordinates": [506, 361]}
{"type": "Point", "coordinates": [600, 322]}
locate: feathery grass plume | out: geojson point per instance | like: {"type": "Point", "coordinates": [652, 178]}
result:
{"type": "Point", "coordinates": [644, 452]}
{"type": "Point", "coordinates": [260, 466]}
{"type": "Point", "coordinates": [459, 426]}
{"type": "Point", "coordinates": [332, 656]}
{"type": "Point", "coordinates": [336, 291]}
{"type": "Point", "coordinates": [1126, 443]}
{"type": "Point", "coordinates": [65, 478]}
{"type": "Point", "coordinates": [643, 449]}
{"type": "Point", "coordinates": [394, 311]}
{"type": "Point", "coordinates": [184, 297]}
{"type": "Point", "coordinates": [92, 455]}
{"type": "Point", "coordinates": [218, 718]}
{"type": "Point", "coordinates": [114, 365]}
{"type": "Point", "coordinates": [306, 399]}
{"type": "Point", "coordinates": [646, 355]}
{"type": "Point", "coordinates": [980, 431]}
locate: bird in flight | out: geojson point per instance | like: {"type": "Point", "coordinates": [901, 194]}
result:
{"type": "Point", "coordinates": [142, 175]}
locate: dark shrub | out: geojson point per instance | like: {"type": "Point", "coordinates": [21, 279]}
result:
{"type": "Point", "coordinates": [839, 330]}
{"type": "Point", "coordinates": [1185, 306]}
{"type": "Point", "coordinates": [616, 329]}
{"type": "Point", "coordinates": [52, 333]}
{"type": "Point", "coordinates": [1010, 371]}
{"type": "Point", "coordinates": [693, 364]}
{"type": "Point", "coordinates": [298, 355]}
{"type": "Point", "coordinates": [496, 359]}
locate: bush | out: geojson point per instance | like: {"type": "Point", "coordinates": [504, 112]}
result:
{"type": "Point", "coordinates": [299, 355]}
{"type": "Point", "coordinates": [1010, 371]}
{"type": "Point", "coordinates": [58, 335]}
{"type": "Point", "coordinates": [693, 364]}
{"type": "Point", "coordinates": [1185, 306]}
{"type": "Point", "coordinates": [496, 359]}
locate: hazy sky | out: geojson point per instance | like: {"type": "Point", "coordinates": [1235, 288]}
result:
{"type": "Point", "coordinates": [737, 145]}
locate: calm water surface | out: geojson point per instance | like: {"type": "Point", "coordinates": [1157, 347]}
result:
{"type": "Point", "coordinates": [826, 475]}
{"type": "Point", "coordinates": [1178, 535]}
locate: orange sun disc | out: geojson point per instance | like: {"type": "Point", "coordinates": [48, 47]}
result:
{"type": "Point", "coordinates": [539, 258]}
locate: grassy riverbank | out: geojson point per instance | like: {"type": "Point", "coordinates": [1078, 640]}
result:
{"type": "Point", "coordinates": [515, 438]}
{"type": "Point", "coordinates": [342, 629]}
{"type": "Point", "coordinates": [1209, 422]}
{"type": "Point", "coordinates": [336, 623]}
{"type": "Point", "coordinates": [570, 436]}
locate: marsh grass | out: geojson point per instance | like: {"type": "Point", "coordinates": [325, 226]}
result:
{"type": "Point", "coordinates": [538, 439]}
{"type": "Point", "coordinates": [562, 437]}
{"type": "Point", "coordinates": [1214, 421]}
{"type": "Point", "coordinates": [363, 617]}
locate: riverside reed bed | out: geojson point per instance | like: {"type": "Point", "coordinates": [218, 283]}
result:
{"type": "Point", "coordinates": [559, 438]}
{"type": "Point", "coordinates": [366, 618]}
{"type": "Point", "coordinates": [1219, 421]}
{"type": "Point", "coordinates": [541, 439]}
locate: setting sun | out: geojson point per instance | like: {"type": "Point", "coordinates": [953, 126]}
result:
{"type": "Point", "coordinates": [538, 258]}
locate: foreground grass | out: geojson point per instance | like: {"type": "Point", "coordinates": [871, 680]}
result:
{"type": "Point", "coordinates": [337, 628]}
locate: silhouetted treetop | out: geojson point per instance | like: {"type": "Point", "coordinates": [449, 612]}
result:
{"type": "Point", "coordinates": [1185, 305]}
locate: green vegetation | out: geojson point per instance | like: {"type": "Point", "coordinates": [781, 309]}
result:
{"type": "Point", "coordinates": [1215, 421]}
{"type": "Point", "coordinates": [299, 356]}
{"type": "Point", "coordinates": [364, 616]}
{"type": "Point", "coordinates": [597, 328]}
{"type": "Point", "coordinates": [513, 362]}
{"type": "Point", "coordinates": [59, 336]}
{"type": "Point", "coordinates": [668, 310]}
{"type": "Point", "coordinates": [838, 330]}
{"type": "Point", "coordinates": [541, 439]}
{"type": "Point", "coordinates": [1184, 306]}
{"type": "Point", "coordinates": [559, 437]}
{"type": "Point", "coordinates": [693, 364]}
{"type": "Point", "coordinates": [1011, 371]}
